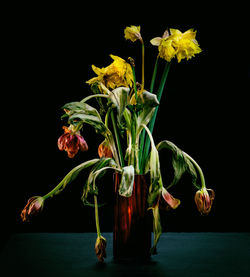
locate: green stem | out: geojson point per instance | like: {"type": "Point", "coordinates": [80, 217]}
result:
{"type": "Point", "coordinates": [93, 96]}
{"type": "Point", "coordinates": [117, 139]}
{"type": "Point", "coordinates": [143, 66]}
{"type": "Point", "coordinates": [203, 184]}
{"type": "Point", "coordinates": [154, 75]}
{"type": "Point", "coordinates": [97, 217]}
{"type": "Point", "coordinates": [143, 133]}
{"type": "Point", "coordinates": [159, 94]}
{"type": "Point", "coordinates": [107, 117]}
{"type": "Point", "coordinates": [152, 121]}
{"type": "Point", "coordinates": [134, 81]}
{"type": "Point", "coordinates": [135, 161]}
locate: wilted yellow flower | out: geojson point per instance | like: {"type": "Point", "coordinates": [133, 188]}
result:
{"type": "Point", "coordinates": [133, 33]}
{"type": "Point", "coordinates": [117, 74]}
{"type": "Point", "coordinates": [166, 50]}
{"type": "Point", "coordinates": [182, 45]}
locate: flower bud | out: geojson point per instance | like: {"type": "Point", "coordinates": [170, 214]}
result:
{"type": "Point", "coordinates": [104, 150]}
{"type": "Point", "coordinates": [33, 207]}
{"type": "Point", "coordinates": [204, 199]}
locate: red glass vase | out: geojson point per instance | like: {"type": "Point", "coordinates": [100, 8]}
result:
{"type": "Point", "coordinates": [132, 221]}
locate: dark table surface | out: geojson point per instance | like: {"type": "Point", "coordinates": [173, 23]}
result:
{"type": "Point", "coordinates": [179, 254]}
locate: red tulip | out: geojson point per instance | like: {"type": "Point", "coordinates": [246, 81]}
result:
{"type": "Point", "coordinates": [71, 142]}
{"type": "Point", "coordinates": [204, 199]}
{"type": "Point", "coordinates": [32, 208]}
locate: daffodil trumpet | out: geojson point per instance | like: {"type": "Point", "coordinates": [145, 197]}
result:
{"type": "Point", "coordinates": [128, 145]}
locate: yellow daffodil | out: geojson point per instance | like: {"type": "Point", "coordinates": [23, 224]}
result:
{"type": "Point", "coordinates": [117, 74]}
{"type": "Point", "coordinates": [177, 44]}
{"type": "Point", "coordinates": [133, 33]}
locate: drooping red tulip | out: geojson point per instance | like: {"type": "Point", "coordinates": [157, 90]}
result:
{"type": "Point", "coordinates": [204, 199]}
{"type": "Point", "coordinates": [71, 142]}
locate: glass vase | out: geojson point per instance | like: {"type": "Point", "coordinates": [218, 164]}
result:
{"type": "Point", "coordinates": [132, 221]}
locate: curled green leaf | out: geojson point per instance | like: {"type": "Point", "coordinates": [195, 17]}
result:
{"type": "Point", "coordinates": [127, 181]}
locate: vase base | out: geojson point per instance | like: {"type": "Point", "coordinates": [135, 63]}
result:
{"type": "Point", "coordinates": [132, 260]}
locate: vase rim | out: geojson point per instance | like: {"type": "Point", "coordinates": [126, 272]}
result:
{"type": "Point", "coordinates": [145, 174]}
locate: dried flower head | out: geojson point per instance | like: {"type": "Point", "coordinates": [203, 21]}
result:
{"type": "Point", "coordinates": [117, 74]}
{"type": "Point", "coordinates": [33, 207]}
{"type": "Point", "coordinates": [133, 33]}
{"type": "Point", "coordinates": [71, 142]}
{"type": "Point", "coordinates": [100, 248]}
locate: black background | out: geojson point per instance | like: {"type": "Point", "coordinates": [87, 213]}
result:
{"type": "Point", "coordinates": [49, 53]}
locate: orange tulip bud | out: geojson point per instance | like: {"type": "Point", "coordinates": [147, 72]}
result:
{"type": "Point", "coordinates": [104, 150]}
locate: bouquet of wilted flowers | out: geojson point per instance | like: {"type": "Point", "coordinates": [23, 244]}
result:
{"type": "Point", "coordinates": [125, 117]}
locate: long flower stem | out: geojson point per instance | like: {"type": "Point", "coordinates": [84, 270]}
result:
{"type": "Point", "coordinates": [97, 217]}
{"type": "Point", "coordinates": [154, 75]}
{"type": "Point", "coordinates": [134, 80]}
{"type": "Point", "coordinates": [117, 139]}
{"type": "Point", "coordinates": [143, 66]}
{"type": "Point", "coordinates": [203, 184]}
{"type": "Point", "coordinates": [159, 94]}
{"type": "Point", "coordinates": [143, 133]}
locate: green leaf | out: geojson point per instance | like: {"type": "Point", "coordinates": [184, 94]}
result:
{"type": "Point", "coordinates": [127, 181]}
{"type": "Point", "coordinates": [180, 163]}
{"type": "Point", "coordinates": [70, 177]}
{"type": "Point", "coordinates": [85, 113]}
{"type": "Point", "coordinates": [119, 97]}
{"type": "Point", "coordinates": [149, 102]}
{"type": "Point", "coordinates": [97, 171]}
{"type": "Point", "coordinates": [156, 228]}
{"type": "Point", "coordinates": [155, 172]}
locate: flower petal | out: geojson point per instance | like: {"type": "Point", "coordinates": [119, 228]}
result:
{"type": "Point", "coordinates": [172, 202]}
{"type": "Point", "coordinates": [156, 41]}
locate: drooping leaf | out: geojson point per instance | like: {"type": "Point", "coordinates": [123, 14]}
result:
{"type": "Point", "coordinates": [80, 111]}
{"type": "Point", "coordinates": [97, 171]}
{"type": "Point", "coordinates": [155, 177]}
{"type": "Point", "coordinates": [180, 163]}
{"type": "Point", "coordinates": [72, 175]}
{"type": "Point", "coordinates": [156, 228]}
{"type": "Point", "coordinates": [127, 181]}
{"type": "Point", "coordinates": [119, 97]}
{"type": "Point", "coordinates": [149, 101]}
{"type": "Point", "coordinates": [95, 88]}
{"type": "Point", "coordinates": [155, 172]}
